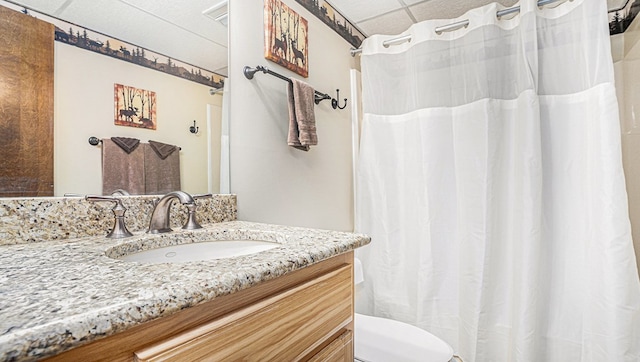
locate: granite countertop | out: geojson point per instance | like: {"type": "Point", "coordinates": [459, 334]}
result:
{"type": "Point", "coordinates": [57, 295]}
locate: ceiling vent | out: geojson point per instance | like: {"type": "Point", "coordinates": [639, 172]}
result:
{"type": "Point", "coordinates": [218, 12]}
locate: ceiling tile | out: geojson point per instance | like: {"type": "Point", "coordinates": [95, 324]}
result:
{"type": "Point", "coordinates": [224, 71]}
{"type": "Point", "coordinates": [391, 23]}
{"type": "Point", "coordinates": [359, 10]}
{"type": "Point", "coordinates": [46, 7]}
{"type": "Point", "coordinates": [615, 4]}
{"type": "Point", "coordinates": [413, 2]}
{"type": "Point", "coordinates": [188, 17]}
{"type": "Point", "coordinates": [447, 9]}
{"type": "Point", "coordinates": [173, 28]}
{"type": "Point", "coordinates": [124, 22]}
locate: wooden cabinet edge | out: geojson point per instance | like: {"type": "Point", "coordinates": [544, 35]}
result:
{"type": "Point", "coordinates": [337, 349]}
{"type": "Point", "coordinates": [121, 346]}
{"type": "Point", "coordinates": [303, 313]}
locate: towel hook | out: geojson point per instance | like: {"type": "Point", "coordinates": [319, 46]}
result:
{"type": "Point", "coordinates": [193, 129]}
{"type": "Point", "coordinates": [334, 101]}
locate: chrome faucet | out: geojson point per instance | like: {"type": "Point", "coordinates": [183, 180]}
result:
{"type": "Point", "coordinates": [160, 216]}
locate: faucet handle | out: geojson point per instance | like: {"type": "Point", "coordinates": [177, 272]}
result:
{"type": "Point", "coordinates": [119, 229]}
{"type": "Point", "coordinates": [191, 223]}
{"type": "Point", "coordinates": [97, 198]}
{"type": "Point", "coordinates": [202, 196]}
{"type": "Point", "coordinates": [121, 192]}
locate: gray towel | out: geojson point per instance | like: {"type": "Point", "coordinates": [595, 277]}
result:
{"type": "Point", "coordinates": [161, 175]}
{"type": "Point", "coordinates": [163, 150]}
{"type": "Point", "coordinates": [122, 170]}
{"type": "Point", "coordinates": [127, 144]}
{"type": "Point", "coordinates": [302, 119]}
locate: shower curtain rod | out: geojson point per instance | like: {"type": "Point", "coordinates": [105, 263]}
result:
{"type": "Point", "coordinates": [454, 26]}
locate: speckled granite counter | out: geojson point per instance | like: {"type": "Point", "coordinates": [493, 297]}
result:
{"type": "Point", "coordinates": [32, 220]}
{"type": "Point", "coordinates": [57, 295]}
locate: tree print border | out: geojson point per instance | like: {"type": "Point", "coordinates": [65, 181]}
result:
{"type": "Point", "coordinates": [334, 20]}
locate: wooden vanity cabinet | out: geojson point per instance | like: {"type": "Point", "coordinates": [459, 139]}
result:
{"type": "Point", "coordinates": [304, 316]}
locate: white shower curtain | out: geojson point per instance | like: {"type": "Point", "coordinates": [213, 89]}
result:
{"type": "Point", "coordinates": [490, 179]}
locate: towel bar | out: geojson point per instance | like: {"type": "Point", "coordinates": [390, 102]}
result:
{"type": "Point", "coordinates": [94, 141]}
{"type": "Point", "coordinates": [319, 96]}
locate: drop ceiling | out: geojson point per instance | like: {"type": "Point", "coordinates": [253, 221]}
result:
{"type": "Point", "coordinates": [187, 31]}
{"type": "Point", "coordinates": [177, 29]}
{"type": "Point", "coordinates": [395, 16]}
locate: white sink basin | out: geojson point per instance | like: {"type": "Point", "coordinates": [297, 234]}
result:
{"type": "Point", "coordinates": [208, 250]}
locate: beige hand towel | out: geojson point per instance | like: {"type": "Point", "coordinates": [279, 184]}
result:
{"type": "Point", "coordinates": [161, 168]}
{"type": "Point", "coordinates": [302, 119]}
{"type": "Point", "coordinates": [122, 170]}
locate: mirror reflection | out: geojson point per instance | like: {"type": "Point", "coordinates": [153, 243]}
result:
{"type": "Point", "coordinates": [176, 51]}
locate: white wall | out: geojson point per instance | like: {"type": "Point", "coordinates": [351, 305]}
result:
{"type": "Point", "coordinates": [626, 57]}
{"type": "Point", "coordinates": [276, 183]}
{"type": "Point", "coordinates": [84, 107]}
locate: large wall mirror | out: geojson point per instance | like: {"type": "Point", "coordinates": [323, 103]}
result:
{"type": "Point", "coordinates": [189, 38]}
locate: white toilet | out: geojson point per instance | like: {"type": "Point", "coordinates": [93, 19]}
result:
{"type": "Point", "coordinates": [387, 340]}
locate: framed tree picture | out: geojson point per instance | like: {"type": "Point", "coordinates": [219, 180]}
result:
{"type": "Point", "coordinates": [285, 37]}
{"type": "Point", "coordinates": [134, 107]}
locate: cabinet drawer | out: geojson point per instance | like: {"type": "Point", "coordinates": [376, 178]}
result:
{"type": "Point", "coordinates": [284, 327]}
{"type": "Point", "coordinates": [340, 350]}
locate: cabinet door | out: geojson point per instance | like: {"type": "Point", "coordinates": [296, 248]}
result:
{"type": "Point", "coordinates": [284, 327]}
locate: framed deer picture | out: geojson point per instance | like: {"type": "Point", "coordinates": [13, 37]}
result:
{"type": "Point", "coordinates": [134, 107]}
{"type": "Point", "coordinates": [285, 37]}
